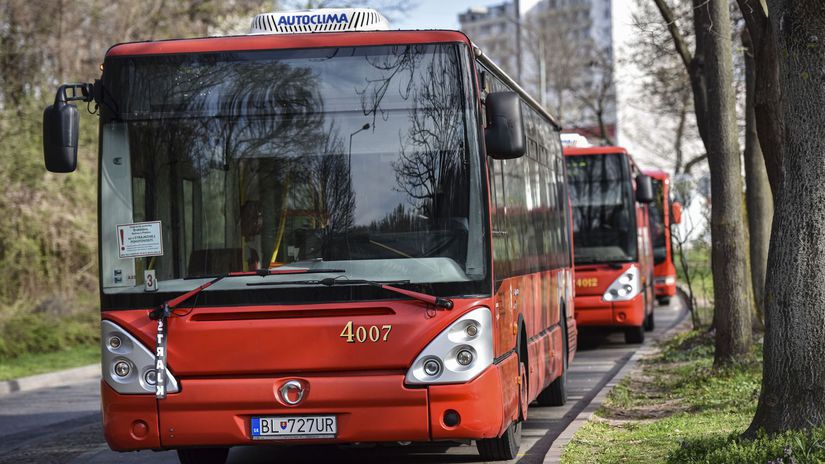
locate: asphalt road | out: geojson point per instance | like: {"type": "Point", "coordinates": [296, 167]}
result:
{"type": "Point", "coordinates": [62, 425]}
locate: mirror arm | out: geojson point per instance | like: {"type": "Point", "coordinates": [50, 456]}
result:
{"type": "Point", "coordinates": [79, 92]}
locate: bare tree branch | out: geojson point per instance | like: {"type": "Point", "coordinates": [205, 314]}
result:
{"type": "Point", "coordinates": [693, 162]}
{"type": "Point", "coordinates": [678, 40]}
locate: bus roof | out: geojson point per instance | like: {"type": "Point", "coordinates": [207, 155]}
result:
{"type": "Point", "coordinates": [602, 150]}
{"type": "Point", "coordinates": [283, 41]}
{"type": "Point", "coordinates": [657, 174]}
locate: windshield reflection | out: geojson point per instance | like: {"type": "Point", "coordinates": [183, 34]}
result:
{"type": "Point", "coordinates": [263, 159]}
{"type": "Point", "coordinates": [604, 223]}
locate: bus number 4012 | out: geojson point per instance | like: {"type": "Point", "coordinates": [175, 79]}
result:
{"type": "Point", "coordinates": [361, 333]}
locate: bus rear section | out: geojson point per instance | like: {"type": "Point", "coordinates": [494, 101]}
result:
{"type": "Point", "coordinates": [613, 252]}
{"type": "Point", "coordinates": [296, 242]}
{"type": "Point", "coordinates": [663, 215]}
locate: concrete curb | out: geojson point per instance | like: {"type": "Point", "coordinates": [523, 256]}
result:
{"type": "Point", "coordinates": [556, 450]}
{"type": "Point", "coordinates": [51, 379]}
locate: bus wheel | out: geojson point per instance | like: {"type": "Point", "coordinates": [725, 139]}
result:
{"type": "Point", "coordinates": [506, 446]}
{"type": "Point", "coordinates": [556, 393]}
{"type": "Point", "coordinates": [634, 334]}
{"type": "Point", "coordinates": [650, 324]}
{"type": "Point", "coordinates": [203, 455]}
{"type": "Point", "coordinates": [502, 448]}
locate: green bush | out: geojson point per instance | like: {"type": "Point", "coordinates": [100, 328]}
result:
{"type": "Point", "coordinates": [27, 332]}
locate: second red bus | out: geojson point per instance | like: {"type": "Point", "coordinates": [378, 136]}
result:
{"type": "Point", "coordinates": [613, 252]}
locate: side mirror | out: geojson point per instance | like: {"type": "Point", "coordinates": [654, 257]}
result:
{"type": "Point", "coordinates": [676, 211]}
{"type": "Point", "coordinates": [644, 189]}
{"type": "Point", "coordinates": [60, 128]}
{"type": "Point", "coordinates": [504, 136]}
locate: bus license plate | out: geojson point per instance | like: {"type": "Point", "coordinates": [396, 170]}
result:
{"type": "Point", "coordinates": [293, 427]}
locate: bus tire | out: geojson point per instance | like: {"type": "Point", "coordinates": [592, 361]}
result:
{"type": "Point", "coordinates": [650, 324]}
{"type": "Point", "coordinates": [203, 455]}
{"type": "Point", "coordinates": [634, 334]}
{"type": "Point", "coordinates": [505, 447]}
{"type": "Point", "coordinates": [556, 393]}
{"type": "Point", "coordinates": [502, 448]}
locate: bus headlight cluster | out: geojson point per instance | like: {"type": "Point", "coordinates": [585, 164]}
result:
{"type": "Point", "coordinates": [625, 287]}
{"type": "Point", "coordinates": [127, 365]}
{"type": "Point", "coordinates": [458, 354]}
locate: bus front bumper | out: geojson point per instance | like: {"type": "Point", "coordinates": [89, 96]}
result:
{"type": "Point", "coordinates": [665, 286]}
{"type": "Point", "coordinates": [593, 311]}
{"type": "Point", "coordinates": [369, 407]}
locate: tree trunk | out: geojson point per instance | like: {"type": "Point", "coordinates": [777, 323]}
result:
{"type": "Point", "coordinates": [758, 188]}
{"type": "Point", "coordinates": [680, 133]}
{"type": "Point", "coordinates": [731, 274]}
{"type": "Point", "coordinates": [768, 93]}
{"type": "Point", "coordinates": [793, 382]}
{"type": "Point", "coordinates": [710, 71]}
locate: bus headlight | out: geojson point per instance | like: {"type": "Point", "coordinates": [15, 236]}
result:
{"type": "Point", "coordinates": [668, 280]}
{"type": "Point", "coordinates": [128, 365]}
{"type": "Point", "coordinates": [458, 354]}
{"type": "Point", "coordinates": [625, 287]}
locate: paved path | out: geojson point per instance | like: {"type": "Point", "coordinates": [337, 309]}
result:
{"type": "Point", "coordinates": [62, 425]}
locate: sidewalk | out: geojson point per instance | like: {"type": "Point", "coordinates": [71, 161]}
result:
{"type": "Point", "coordinates": [649, 348]}
{"type": "Point", "coordinates": [50, 379]}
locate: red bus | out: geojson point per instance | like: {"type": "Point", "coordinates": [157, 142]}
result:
{"type": "Point", "coordinates": [613, 252]}
{"type": "Point", "coordinates": [351, 236]}
{"type": "Point", "coordinates": [663, 213]}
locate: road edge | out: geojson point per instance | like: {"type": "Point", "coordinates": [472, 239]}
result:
{"type": "Point", "coordinates": [553, 456]}
{"type": "Point", "coordinates": [50, 379]}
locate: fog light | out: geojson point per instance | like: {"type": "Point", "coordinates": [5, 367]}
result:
{"type": "Point", "coordinates": [151, 377]}
{"type": "Point", "coordinates": [432, 367]}
{"type": "Point", "coordinates": [122, 368]}
{"type": "Point", "coordinates": [451, 418]}
{"type": "Point", "coordinates": [114, 343]}
{"type": "Point", "coordinates": [464, 357]}
{"type": "Point", "coordinates": [471, 330]}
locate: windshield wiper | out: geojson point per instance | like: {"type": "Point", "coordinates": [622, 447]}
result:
{"type": "Point", "coordinates": [437, 301]}
{"type": "Point", "coordinates": [265, 272]}
{"type": "Point", "coordinates": [163, 312]}
{"type": "Point", "coordinates": [604, 260]}
{"type": "Point", "coordinates": [165, 309]}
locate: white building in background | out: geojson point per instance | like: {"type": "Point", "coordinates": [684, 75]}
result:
{"type": "Point", "coordinates": [495, 29]}
{"type": "Point", "coordinates": [507, 33]}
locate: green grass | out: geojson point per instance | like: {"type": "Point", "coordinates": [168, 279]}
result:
{"type": "Point", "coordinates": [699, 269]}
{"type": "Point", "coordinates": [679, 409]}
{"type": "Point", "coordinates": [27, 332]}
{"type": "Point", "coordinates": [31, 364]}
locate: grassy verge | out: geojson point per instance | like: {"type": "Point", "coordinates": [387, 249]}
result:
{"type": "Point", "coordinates": [699, 270]}
{"type": "Point", "coordinates": [678, 409]}
{"type": "Point", "coordinates": [52, 335]}
{"type": "Point", "coordinates": [39, 363]}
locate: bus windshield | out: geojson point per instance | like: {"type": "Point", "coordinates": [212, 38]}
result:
{"type": "Point", "coordinates": [604, 222]}
{"type": "Point", "coordinates": [657, 222]}
{"type": "Point", "coordinates": [359, 159]}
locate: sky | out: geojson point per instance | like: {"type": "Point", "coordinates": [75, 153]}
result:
{"type": "Point", "coordinates": [437, 14]}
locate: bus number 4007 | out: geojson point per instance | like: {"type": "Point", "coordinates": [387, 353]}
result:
{"type": "Point", "coordinates": [361, 333]}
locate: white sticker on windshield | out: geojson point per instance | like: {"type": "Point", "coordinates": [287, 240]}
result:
{"type": "Point", "coordinates": [150, 283]}
{"type": "Point", "coordinates": [139, 239]}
